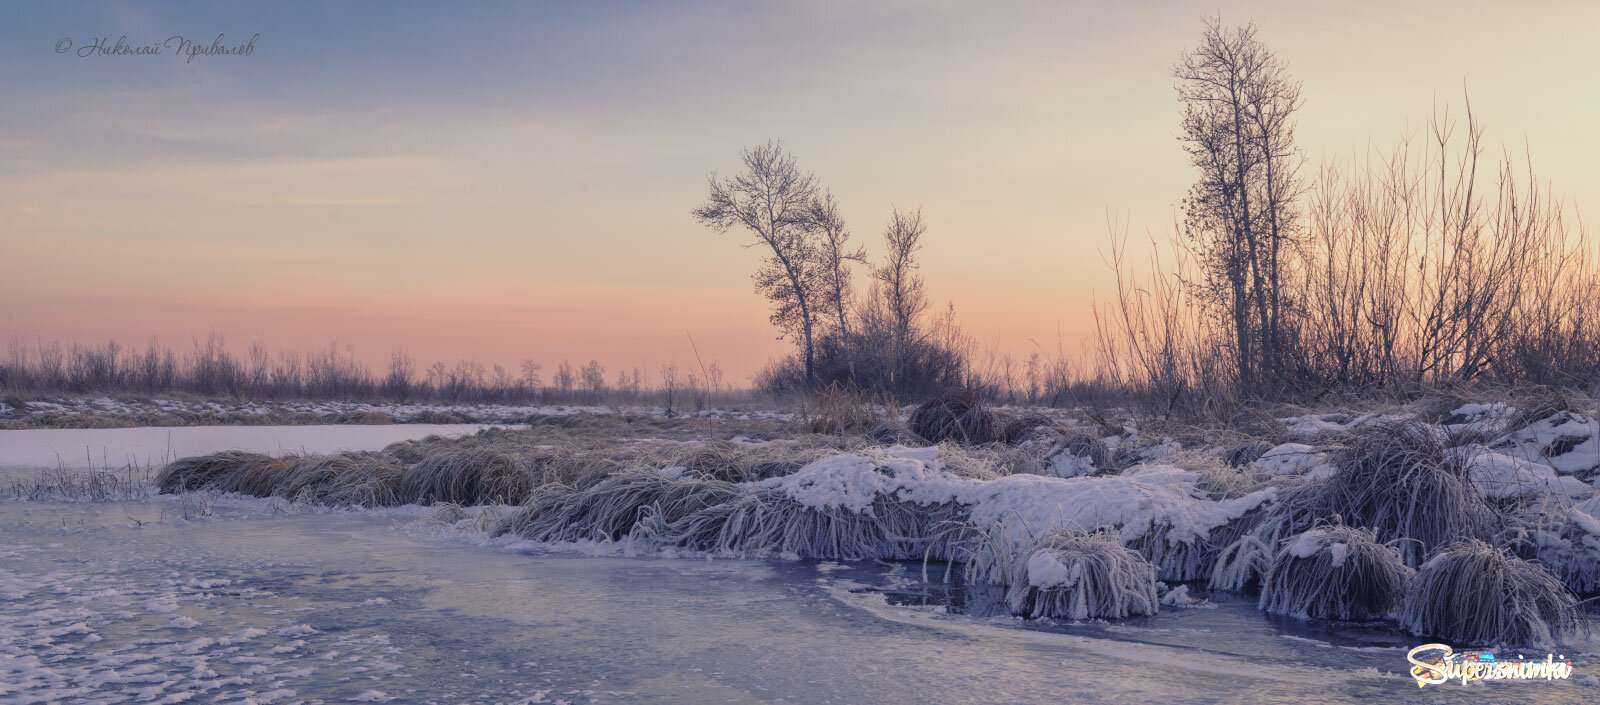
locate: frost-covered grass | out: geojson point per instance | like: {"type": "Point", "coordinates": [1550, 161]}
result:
{"type": "Point", "coordinates": [1335, 572]}
{"type": "Point", "coordinates": [1404, 482]}
{"type": "Point", "coordinates": [1474, 593]}
{"type": "Point", "coordinates": [1077, 575]}
{"type": "Point", "coordinates": [92, 485]}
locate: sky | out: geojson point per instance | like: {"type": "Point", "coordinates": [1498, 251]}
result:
{"type": "Point", "coordinates": [501, 181]}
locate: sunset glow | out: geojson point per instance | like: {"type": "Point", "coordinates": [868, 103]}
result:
{"type": "Point", "coordinates": [509, 181]}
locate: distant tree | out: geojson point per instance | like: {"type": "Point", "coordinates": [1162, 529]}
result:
{"type": "Point", "coordinates": [669, 383]}
{"type": "Point", "coordinates": [594, 378]}
{"type": "Point", "coordinates": [773, 200]}
{"type": "Point", "coordinates": [1240, 216]}
{"type": "Point", "coordinates": [398, 381]}
{"type": "Point", "coordinates": [565, 377]}
{"type": "Point", "coordinates": [899, 287]}
{"type": "Point", "coordinates": [504, 382]}
{"type": "Point", "coordinates": [436, 377]}
{"type": "Point", "coordinates": [530, 376]}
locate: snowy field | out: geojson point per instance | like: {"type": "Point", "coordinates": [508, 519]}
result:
{"type": "Point", "coordinates": [722, 559]}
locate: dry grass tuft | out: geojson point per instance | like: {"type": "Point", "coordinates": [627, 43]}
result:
{"type": "Point", "coordinates": [610, 509]}
{"type": "Point", "coordinates": [217, 469]}
{"type": "Point", "coordinates": [1334, 572]}
{"type": "Point", "coordinates": [348, 479]}
{"type": "Point", "coordinates": [841, 412]}
{"type": "Point", "coordinates": [759, 521]}
{"type": "Point", "coordinates": [1474, 593]}
{"type": "Point", "coordinates": [479, 475]}
{"type": "Point", "coordinates": [959, 417]}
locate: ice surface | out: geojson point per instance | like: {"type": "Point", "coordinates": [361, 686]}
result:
{"type": "Point", "coordinates": [340, 607]}
{"type": "Point", "coordinates": [116, 447]}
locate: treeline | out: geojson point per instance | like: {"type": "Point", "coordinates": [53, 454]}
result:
{"type": "Point", "coordinates": [1420, 268]}
{"type": "Point", "coordinates": [210, 369]}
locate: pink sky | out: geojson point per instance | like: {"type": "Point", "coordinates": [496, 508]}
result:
{"type": "Point", "coordinates": [530, 198]}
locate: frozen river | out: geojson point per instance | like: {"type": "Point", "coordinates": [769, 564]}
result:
{"type": "Point", "coordinates": [146, 446]}
{"type": "Point", "coordinates": [130, 602]}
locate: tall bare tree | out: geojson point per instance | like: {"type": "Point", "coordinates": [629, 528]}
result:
{"type": "Point", "coordinates": [1238, 127]}
{"type": "Point", "coordinates": [835, 257]}
{"type": "Point", "coordinates": [898, 284]}
{"type": "Point", "coordinates": [773, 200]}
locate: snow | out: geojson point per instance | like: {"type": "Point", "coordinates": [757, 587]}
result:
{"type": "Point", "coordinates": [1567, 442]}
{"type": "Point", "coordinates": [1492, 411]}
{"type": "Point", "coordinates": [1064, 464]}
{"type": "Point", "coordinates": [1505, 476]}
{"type": "Point", "coordinates": [1338, 551]}
{"type": "Point", "coordinates": [1046, 571]}
{"type": "Point", "coordinates": [1179, 597]}
{"type": "Point", "coordinates": [1290, 459]}
{"type": "Point", "coordinates": [1025, 506]}
{"type": "Point", "coordinates": [853, 482]}
{"type": "Point", "coordinates": [1319, 423]}
{"type": "Point", "coordinates": [1313, 542]}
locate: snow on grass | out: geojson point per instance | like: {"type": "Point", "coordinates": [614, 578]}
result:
{"type": "Point", "coordinates": [1026, 506]}
{"type": "Point", "coordinates": [1567, 442]}
{"type": "Point", "coordinates": [1324, 423]}
{"type": "Point", "coordinates": [1290, 459]}
{"type": "Point", "coordinates": [1502, 476]}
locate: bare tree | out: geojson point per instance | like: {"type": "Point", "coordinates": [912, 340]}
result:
{"type": "Point", "coordinates": [836, 256]}
{"type": "Point", "coordinates": [398, 381]}
{"type": "Point", "coordinates": [565, 377]}
{"type": "Point", "coordinates": [530, 376]}
{"type": "Point", "coordinates": [772, 199]}
{"type": "Point", "coordinates": [1238, 127]}
{"type": "Point", "coordinates": [899, 287]}
{"type": "Point", "coordinates": [594, 378]}
{"type": "Point", "coordinates": [669, 383]}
